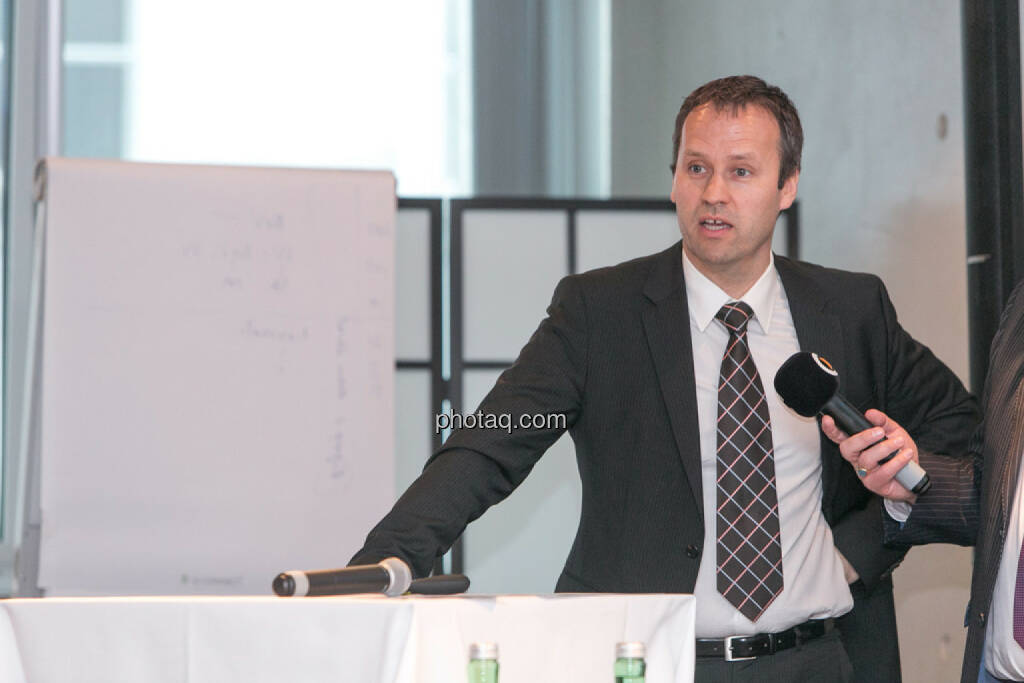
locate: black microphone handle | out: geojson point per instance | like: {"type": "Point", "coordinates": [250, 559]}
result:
{"type": "Point", "coordinates": [349, 581]}
{"type": "Point", "coordinates": [852, 421]}
{"type": "Point", "coordinates": [849, 419]}
{"type": "Point", "coordinates": [445, 584]}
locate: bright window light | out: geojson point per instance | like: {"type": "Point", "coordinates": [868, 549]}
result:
{"type": "Point", "coordinates": [314, 83]}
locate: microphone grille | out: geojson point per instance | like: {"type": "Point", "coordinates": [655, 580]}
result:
{"type": "Point", "coordinates": [806, 382]}
{"type": "Point", "coordinates": [399, 574]}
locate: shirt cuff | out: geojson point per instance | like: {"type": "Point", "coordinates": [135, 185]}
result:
{"type": "Point", "coordinates": [899, 510]}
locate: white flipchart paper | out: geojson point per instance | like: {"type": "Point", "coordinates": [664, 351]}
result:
{"type": "Point", "coordinates": [217, 374]}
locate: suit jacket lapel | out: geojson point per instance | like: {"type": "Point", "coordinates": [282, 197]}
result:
{"type": "Point", "coordinates": [1014, 425]}
{"type": "Point", "coordinates": [819, 330]}
{"type": "Point", "coordinates": [1004, 431]}
{"type": "Point", "coordinates": [667, 325]}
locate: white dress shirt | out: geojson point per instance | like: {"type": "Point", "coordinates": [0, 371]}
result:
{"type": "Point", "coordinates": [1004, 657]}
{"type": "Point", "coordinates": [814, 584]}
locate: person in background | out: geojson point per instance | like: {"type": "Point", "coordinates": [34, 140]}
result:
{"type": "Point", "coordinates": [974, 500]}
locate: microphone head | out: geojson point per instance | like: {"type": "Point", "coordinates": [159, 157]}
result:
{"type": "Point", "coordinates": [806, 382]}
{"type": "Point", "coordinates": [284, 585]}
{"type": "Point", "coordinates": [399, 574]}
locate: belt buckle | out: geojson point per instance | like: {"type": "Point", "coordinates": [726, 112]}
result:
{"type": "Point", "coordinates": [728, 650]}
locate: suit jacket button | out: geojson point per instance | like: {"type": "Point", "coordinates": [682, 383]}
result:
{"type": "Point", "coordinates": [981, 618]}
{"type": "Point", "coordinates": [692, 551]}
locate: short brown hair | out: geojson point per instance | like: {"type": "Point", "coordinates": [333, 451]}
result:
{"type": "Point", "coordinates": [735, 93]}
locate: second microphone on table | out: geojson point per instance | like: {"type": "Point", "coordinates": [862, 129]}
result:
{"type": "Point", "coordinates": [389, 577]}
{"type": "Point", "coordinates": [809, 385]}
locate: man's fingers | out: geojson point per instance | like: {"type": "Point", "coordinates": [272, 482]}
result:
{"type": "Point", "coordinates": [878, 454]}
{"type": "Point", "coordinates": [872, 457]}
{"type": "Point", "coordinates": [828, 426]}
{"type": "Point", "coordinates": [880, 419]}
{"type": "Point", "coordinates": [852, 447]}
{"type": "Point", "coordinates": [882, 480]}
{"type": "Point", "coordinates": [876, 417]}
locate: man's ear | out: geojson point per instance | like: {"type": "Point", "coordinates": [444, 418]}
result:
{"type": "Point", "coordinates": [788, 192]}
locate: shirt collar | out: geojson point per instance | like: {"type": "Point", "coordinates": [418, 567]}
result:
{"type": "Point", "coordinates": [705, 298]}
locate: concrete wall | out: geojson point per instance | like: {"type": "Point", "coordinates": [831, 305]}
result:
{"type": "Point", "coordinates": [878, 86]}
{"type": "Point", "coordinates": [540, 101]}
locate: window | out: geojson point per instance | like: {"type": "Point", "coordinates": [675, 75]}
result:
{"type": "Point", "coordinates": [323, 83]}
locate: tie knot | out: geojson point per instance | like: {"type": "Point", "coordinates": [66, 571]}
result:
{"type": "Point", "coordinates": [735, 315]}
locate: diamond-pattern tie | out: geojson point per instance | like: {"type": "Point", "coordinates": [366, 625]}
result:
{"type": "Point", "coordinates": [1018, 601]}
{"type": "Point", "coordinates": [749, 548]}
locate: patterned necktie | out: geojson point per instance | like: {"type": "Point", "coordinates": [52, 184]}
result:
{"type": "Point", "coordinates": [749, 549]}
{"type": "Point", "coordinates": [1018, 601]}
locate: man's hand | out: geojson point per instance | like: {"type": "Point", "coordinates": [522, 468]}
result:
{"type": "Point", "coordinates": [865, 449]}
{"type": "Point", "coordinates": [849, 572]}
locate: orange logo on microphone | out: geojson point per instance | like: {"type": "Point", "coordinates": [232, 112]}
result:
{"type": "Point", "coordinates": [824, 364]}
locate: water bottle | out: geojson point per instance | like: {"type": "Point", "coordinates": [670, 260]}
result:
{"type": "Point", "coordinates": [629, 662]}
{"type": "Point", "coordinates": [483, 663]}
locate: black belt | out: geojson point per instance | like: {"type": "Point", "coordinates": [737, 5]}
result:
{"type": "Point", "coordinates": [735, 648]}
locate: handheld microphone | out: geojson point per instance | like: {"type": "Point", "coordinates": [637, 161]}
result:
{"type": "Point", "coordinates": [809, 385]}
{"type": "Point", "coordinates": [390, 577]}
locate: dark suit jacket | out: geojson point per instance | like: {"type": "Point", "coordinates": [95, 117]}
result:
{"type": "Point", "coordinates": [971, 496]}
{"type": "Point", "coordinates": [614, 356]}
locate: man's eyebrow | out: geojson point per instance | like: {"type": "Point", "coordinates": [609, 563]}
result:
{"type": "Point", "coordinates": [741, 156]}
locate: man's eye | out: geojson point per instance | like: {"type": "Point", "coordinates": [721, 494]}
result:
{"type": "Point", "coordinates": [742, 172]}
{"type": "Point", "coordinates": [696, 168]}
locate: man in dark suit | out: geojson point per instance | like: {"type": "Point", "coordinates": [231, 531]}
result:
{"type": "Point", "coordinates": [974, 499]}
{"type": "Point", "coordinates": [695, 478]}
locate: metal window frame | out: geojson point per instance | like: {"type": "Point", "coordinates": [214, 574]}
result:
{"type": "Point", "coordinates": [459, 207]}
{"type": "Point", "coordinates": [437, 381]}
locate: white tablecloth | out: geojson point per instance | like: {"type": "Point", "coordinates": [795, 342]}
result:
{"type": "Point", "coordinates": [563, 638]}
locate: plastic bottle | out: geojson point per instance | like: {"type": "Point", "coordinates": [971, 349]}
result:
{"type": "Point", "coordinates": [483, 663]}
{"type": "Point", "coordinates": [630, 666]}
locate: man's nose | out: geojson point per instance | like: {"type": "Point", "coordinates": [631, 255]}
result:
{"type": "Point", "coordinates": [715, 190]}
